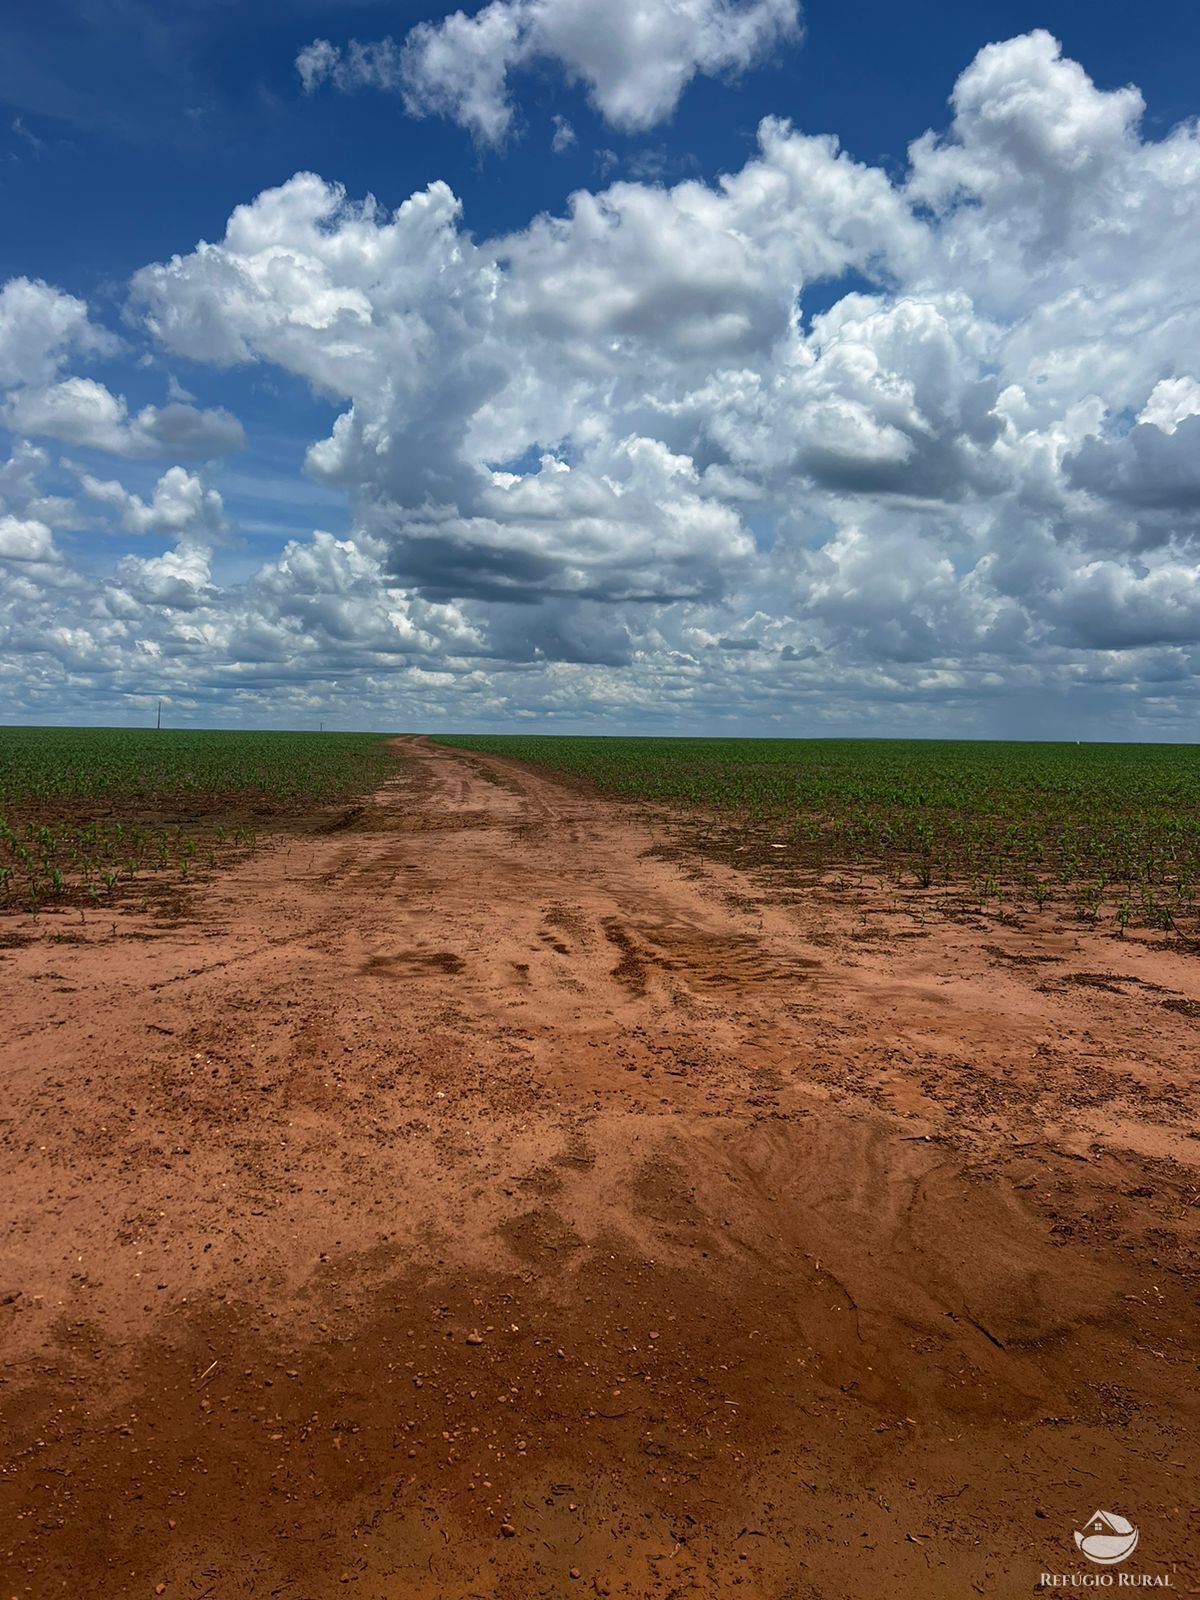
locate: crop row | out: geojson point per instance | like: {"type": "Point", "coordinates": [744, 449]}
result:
{"type": "Point", "coordinates": [42, 864]}
{"type": "Point", "coordinates": [139, 765]}
{"type": "Point", "coordinates": [87, 815]}
{"type": "Point", "coordinates": [1111, 830]}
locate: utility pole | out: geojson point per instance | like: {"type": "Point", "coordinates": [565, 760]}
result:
{"type": "Point", "coordinates": [158, 724]}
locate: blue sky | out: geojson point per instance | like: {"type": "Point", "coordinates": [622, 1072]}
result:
{"type": "Point", "coordinates": [749, 435]}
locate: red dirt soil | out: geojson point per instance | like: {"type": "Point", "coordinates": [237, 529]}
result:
{"type": "Point", "coordinates": [488, 1198]}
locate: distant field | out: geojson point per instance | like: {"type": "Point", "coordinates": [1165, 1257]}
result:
{"type": "Point", "coordinates": [1113, 831]}
{"type": "Point", "coordinates": [87, 813]}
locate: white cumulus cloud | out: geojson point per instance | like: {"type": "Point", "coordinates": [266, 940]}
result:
{"type": "Point", "coordinates": [635, 57]}
{"type": "Point", "coordinates": [80, 411]}
{"type": "Point", "coordinates": [181, 507]}
{"type": "Point", "coordinates": [813, 441]}
{"type": "Point", "coordinates": [25, 540]}
{"type": "Point", "coordinates": [39, 327]}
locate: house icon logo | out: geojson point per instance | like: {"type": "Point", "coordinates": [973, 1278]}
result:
{"type": "Point", "coordinates": [1107, 1538]}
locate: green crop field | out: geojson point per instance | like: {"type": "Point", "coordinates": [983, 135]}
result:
{"type": "Point", "coordinates": [86, 813]}
{"type": "Point", "coordinates": [1107, 831]}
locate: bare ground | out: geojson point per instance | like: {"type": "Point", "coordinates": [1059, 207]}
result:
{"type": "Point", "coordinates": [480, 1199]}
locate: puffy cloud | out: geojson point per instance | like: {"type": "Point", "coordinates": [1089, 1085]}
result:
{"type": "Point", "coordinates": [639, 62]}
{"type": "Point", "coordinates": [21, 489]}
{"type": "Point", "coordinates": [458, 358]}
{"type": "Point", "coordinates": [641, 530]}
{"type": "Point", "coordinates": [317, 62]}
{"type": "Point", "coordinates": [22, 540]}
{"type": "Point", "coordinates": [593, 411]}
{"type": "Point", "coordinates": [321, 609]}
{"type": "Point", "coordinates": [1170, 402]}
{"type": "Point", "coordinates": [324, 287]}
{"type": "Point", "coordinates": [1148, 468]}
{"type": "Point", "coordinates": [19, 474]}
{"type": "Point", "coordinates": [80, 411]}
{"type": "Point", "coordinates": [177, 580]}
{"type": "Point", "coordinates": [181, 507]}
{"type": "Point", "coordinates": [336, 590]}
{"type": "Point", "coordinates": [185, 432]}
{"type": "Point", "coordinates": [611, 462]}
{"type": "Point", "coordinates": [635, 60]}
{"type": "Point", "coordinates": [1032, 137]}
{"type": "Point", "coordinates": [883, 397]}
{"type": "Point", "coordinates": [459, 68]}
{"type": "Point", "coordinates": [1047, 196]}
{"type": "Point", "coordinates": [39, 327]}
{"type": "Point", "coordinates": [1107, 605]}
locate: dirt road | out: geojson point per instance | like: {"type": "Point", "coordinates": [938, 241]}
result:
{"type": "Point", "coordinates": [488, 1198]}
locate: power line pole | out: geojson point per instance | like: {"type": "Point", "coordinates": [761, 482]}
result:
{"type": "Point", "coordinates": [158, 724]}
